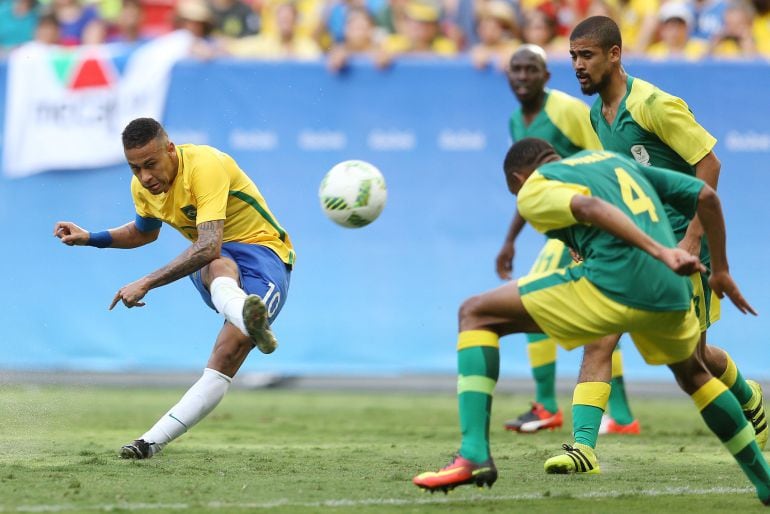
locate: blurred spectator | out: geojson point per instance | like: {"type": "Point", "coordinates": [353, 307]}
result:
{"type": "Point", "coordinates": [761, 27]}
{"type": "Point", "coordinates": [421, 32]}
{"type": "Point", "coordinates": [18, 19]}
{"type": "Point", "coordinates": [308, 16]}
{"type": "Point", "coordinates": [540, 29]}
{"type": "Point", "coordinates": [709, 18]}
{"type": "Point", "coordinates": [195, 17]}
{"type": "Point", "coordinates": [286, 42]}
{"type": "Point", "coordinates": [458, 21]}
{"type": "Point", "coordinates": [127, 26]}
{"type": "Point", "coordinates": [638, 23]}
{"type": "Point", "coordinates": [47, 30]}
{"type": "Point", "coordinates": [676, 21]}
{"type": "Point", "coordinates": [603, 8]}
{"type": "Point", "coordinates": [78, 24]}
{"type": "Point", "coordinates": [735, 39]}
{"type": "Point", "coordinates": [331, 30]}
{"type": "Point", "coordinates": [233, 18]}
{"type": "Point", "coordinates": [498, 35]}
{"type": "Point", "coordinates": [360, 39]}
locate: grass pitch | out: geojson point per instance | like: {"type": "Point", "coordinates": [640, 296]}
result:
{"type": "Point", "coordinates": [288, 451]}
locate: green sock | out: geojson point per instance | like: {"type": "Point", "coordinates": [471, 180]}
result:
{"type": "Point", "coordinates": [724, 416]}
{"type": "Point", "coordinates": [478, 366]}
{"type": "Point", "coordinates": [542, 360]}
{"type": "Point", "coordinates": [618, 402]}
{"type": "Point", "coordinates": [545, 386]}
{"type": "Point", "coordinates": [588, 401]}
{"type": "Point", "coordinates": [735, 382]}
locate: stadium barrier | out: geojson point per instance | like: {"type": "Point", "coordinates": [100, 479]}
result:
{"type": "Point", "coordinates": [378, 300]}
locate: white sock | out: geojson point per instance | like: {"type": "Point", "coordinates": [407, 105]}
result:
{"type": "Point", "coordinates": [228, 298]}
{"type": "Point", "coordinates": [197, 402]}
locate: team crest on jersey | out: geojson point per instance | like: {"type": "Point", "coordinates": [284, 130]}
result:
{"type": "Point", "coordinates": [640, 154]}
{"type": "Point", "coordinates": [190, 211]}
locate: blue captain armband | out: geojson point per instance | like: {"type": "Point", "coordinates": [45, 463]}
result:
{"type": "Point", "coordinates": [147, 224]}
{"type": "Point", "coordinates": [101, 239]}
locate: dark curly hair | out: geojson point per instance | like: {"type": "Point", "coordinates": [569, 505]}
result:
{"type": "Point", "coordinates": [600, 29]}
{"type": "Point", "coordinates": [140, 132]}
{"type": "Point", "coordinates": [527, 153]}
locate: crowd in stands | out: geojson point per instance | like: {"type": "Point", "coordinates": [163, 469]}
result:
{"type": "Point", "coordinates": [487, 31]}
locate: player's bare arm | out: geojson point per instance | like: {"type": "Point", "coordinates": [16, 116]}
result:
{"type": "Point", "coordinates": [205, 249]}
{"type": "Point", "coordinates": [707, 170]}
{"type": "Point", "coordinates": [721, 282]}
{"type": "Point", "coordinates": [125, 236]}
{"type": "Point", "coordinates": [597, 212]}
{"type": "Point", "coordinates": [504, 261]}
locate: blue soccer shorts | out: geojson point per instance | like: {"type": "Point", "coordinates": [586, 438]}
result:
{"type": "Point", "coordinates": [261, 272]}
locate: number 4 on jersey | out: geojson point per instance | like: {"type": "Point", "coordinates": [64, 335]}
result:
{"type": "Point", "coordinates": [634, 196]}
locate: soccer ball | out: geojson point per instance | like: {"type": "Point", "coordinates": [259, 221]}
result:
{"type": "Point", "coordinates": [353, 193]}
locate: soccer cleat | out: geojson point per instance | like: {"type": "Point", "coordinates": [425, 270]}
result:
{"type": "Point", "coordinates": [460, 471]}
{"type": "Point", "coordinates": [610, 426]}
{"type": "Point", "coordinates": [577, 459]}
{"type": "Point", "coordinates": [537, 418]}
{"type": "Point", "coordinates": [137, 449]}
{"type": "Point", "coordinates": [256, 321]}
{"type": "Point", "coordinates": [755, 413]}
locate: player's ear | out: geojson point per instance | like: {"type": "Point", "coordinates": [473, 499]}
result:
{"type": "Point", "coordinates": [614, 53]}
{"type": "Point", "coordinates": [171, 147]}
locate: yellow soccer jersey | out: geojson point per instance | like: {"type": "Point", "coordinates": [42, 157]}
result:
{"type": "Point", "coordinates": [210, 186]}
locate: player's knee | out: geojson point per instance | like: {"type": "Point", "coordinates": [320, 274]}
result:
{"type": "Point", "coordinates": [469, 313]}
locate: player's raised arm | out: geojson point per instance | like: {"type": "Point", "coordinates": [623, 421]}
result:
{"type": "Point", "coordinates": [603, 215]}
{"type": "Point", "coordinates": [125, 236]}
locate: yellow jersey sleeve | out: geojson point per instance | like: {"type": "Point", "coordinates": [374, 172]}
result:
{"type": "Point", "coordinates": [573, 118]}
{"type": "Point", "coordinates": [209, 184]}
{"type": "Point", "coordinates": [545, 204]}
{"type": "Point", "coordinates": [669, 118]}
{"type": "Point", "coordinates": [141, 206]}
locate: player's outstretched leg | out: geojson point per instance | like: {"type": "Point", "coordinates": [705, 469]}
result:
{"type": "Point", "coordinates": [545, 412]}
{"type": "Point", "coordinates": [747, 392]}
{"type": "Point", "coordinates": [197, 402]}
{"type": "Point", "coordinates": [247, 312]}
{"type": "Point", "coordinates": [620, 419]}
{"type": "Point", "coordinates": [478, 366]}
{"type": "Point", "coordinates": [724, 416]}
{"type": "Point", "coordinates": [588, 402]}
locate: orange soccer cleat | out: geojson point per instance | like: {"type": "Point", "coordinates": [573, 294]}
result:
{"type": "Point", "coordinates": [537, 418]}
{"type": "Point", "coordinates": [460, 471]}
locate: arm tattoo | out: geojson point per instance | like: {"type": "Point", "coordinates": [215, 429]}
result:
{"type": "Point", "coordinates": [203, 250]}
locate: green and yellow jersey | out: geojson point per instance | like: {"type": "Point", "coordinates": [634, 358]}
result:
{"type": "Point", "coordinates": [623, 273]}
{"type": "Point", "coordinates": [210, 186]}
{"type": "Point", "coordinates": [656, 129]}
{"type": "Point", "coordinates": [564, 122]}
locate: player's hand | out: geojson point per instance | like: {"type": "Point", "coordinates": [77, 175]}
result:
{"type": "Point", "coordinates": [70, 234]}
{"type": "Point", "coordinates": [723, 284]}
{"type": "Point", "coordinates": [681, 261]}
{"type": "Point", "coordinates": [504, 261]}
{"type": "Point", "coordinates": [690, 245]}
{"type": "Point", "coordinates": [131, 295]}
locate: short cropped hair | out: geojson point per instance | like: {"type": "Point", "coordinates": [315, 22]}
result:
{"type": "Point", "coordinates": [140, 132]}
{"type": "Point", "coordinates": [527, 153]}
{"type": "Point", "coordinates": [598, 28]}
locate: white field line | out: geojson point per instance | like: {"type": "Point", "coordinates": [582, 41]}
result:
{"type": "Point", "coordinates": [436, 499]}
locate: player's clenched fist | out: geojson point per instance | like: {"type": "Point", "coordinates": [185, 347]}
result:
{"type": "Point", "coordinates": [70, 234]}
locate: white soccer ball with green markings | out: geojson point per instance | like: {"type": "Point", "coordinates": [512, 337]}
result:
{"type": "Point", "coordinates": [353, 193]}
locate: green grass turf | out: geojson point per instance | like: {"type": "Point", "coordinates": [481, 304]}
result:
{"type": "Point", "coordinates": [287, 451]}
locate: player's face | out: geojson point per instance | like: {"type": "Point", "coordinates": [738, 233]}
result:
{"type": "Point", "coordinates": [527, 76]}
{"type": "Point", "coordinates": [154, 164]}
{"type": "Point", "coordinates": [592, 64]}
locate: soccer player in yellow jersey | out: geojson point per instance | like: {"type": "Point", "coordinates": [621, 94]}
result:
{"type": "Point", "coordinates": [633, 279]}
{"type": "Point", "coordinates": [564, 122]}
{"type": "Point", "coordinates": [635, 118]}
{"type": "Point", "coordinates": [240, 259]}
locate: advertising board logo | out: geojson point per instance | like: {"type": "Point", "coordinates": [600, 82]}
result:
{"type": "Point", "coordinates": [79, 70]}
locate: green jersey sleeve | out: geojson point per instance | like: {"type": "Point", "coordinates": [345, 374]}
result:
{"type": "Point", "coordinates": [675, 189]}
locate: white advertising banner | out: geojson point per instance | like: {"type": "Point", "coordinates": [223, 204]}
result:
{"type": "Point", "coordinates": [66, 107]}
